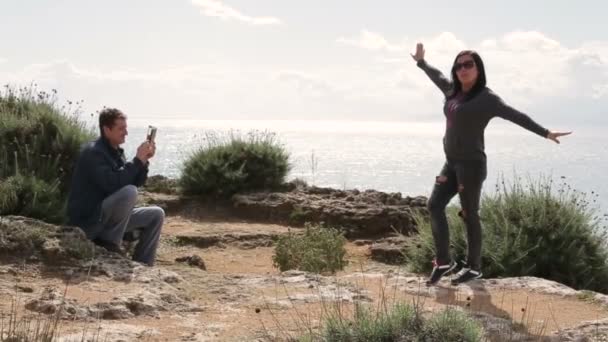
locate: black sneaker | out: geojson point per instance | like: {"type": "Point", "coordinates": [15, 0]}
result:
{"type": "Point", "coordinates": [439, 271]}
{"type": "Point", "coordinates": [466, 274]}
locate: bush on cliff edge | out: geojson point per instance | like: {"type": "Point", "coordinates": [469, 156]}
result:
{"type": "Point", "coordinates": [530, 229]}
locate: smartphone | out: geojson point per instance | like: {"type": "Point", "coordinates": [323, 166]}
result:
{"type": "Point", "coordinates": [151, 134]}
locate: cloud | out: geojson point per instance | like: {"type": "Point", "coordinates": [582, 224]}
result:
{"type": "Point", "coordinates": [444, 43]}
{"type": "Point", "coordinates": [307, 85]}
{"type": "Point", "coordinates": [164, 90]}
{"type": "Point", "coordinates": [215, 8]}
{"type": "Point", "coordinates": [529, 70]}
{"type": "Point", "coordinates": [535, 68]}
{"type": "Point", "coordinates": [371, 41]}
{"type": "Point", "coordinates": [489, 44]}
{"type": "Point", "coordinates": [522, 41]}
{"type": "Point", "coordinates": [56, 71]}
{"type": "Point", "coordinates": [524, 64]}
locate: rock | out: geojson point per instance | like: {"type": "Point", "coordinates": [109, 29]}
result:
{"type": "Point", "coordinates": [33, 258]}
{"type": "Point", "coordinates": [24, 288]}
{"type": "Point", "coordinates": [43, 242]}
{"type": "Point", "coordinates": [294, 273]}
{"type": "Point", "coordinates": [365, 213]}
{"type": "Point", "coordinates": [387, 253]}
{"type": "Point", "coordinates": [142, 306]}
{"type": "Point", "coordinates": [111, 331]}
{"type": "Point", "coordinates": [586, 331]}
{"type": "Point", "coordinates": [145, 303]}
{"type": "Point", "coordinates": [161, 184]}
{"type": "Point", "coordinates": [501, 329]}
{"type": "Point", "coordinates": [52, 302]}
{"type": "Point", "coordinates": [172, 279]}
{"type": "Point", "coordinates": [242, 240]}
{"type": "Point", "coordinates": [411, 284]}
{"type": "Point", "coordinates": [534, 284]}
{"type": "Point", "coordinates": [389, 250]}
{"type": "Point", "coordinates": [170, 203]}
{"type": "Point", "coordinates": [193, 260]}
{"type": "Point", "coordinates": [328, 293]}
{"type": "Point", "coordinates": [123, 277]}
{"type": "Point", "coordinates": [296, 184]}
{"type": "Point", "coordinates": [111, 311]}
{"type": "Point", "coordinates": [141, 299]}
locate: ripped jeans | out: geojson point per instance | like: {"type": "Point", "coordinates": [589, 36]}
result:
{"type": "Point", "coordinates": [465, 178]}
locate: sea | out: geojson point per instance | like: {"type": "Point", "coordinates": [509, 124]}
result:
{"type": "Point", "coordinates": [400, 157]}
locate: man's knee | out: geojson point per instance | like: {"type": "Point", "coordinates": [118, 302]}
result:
{"type": "Point", "coordinates": [158, 214]}
{"type": "Point", "coordinates": [128, 193]}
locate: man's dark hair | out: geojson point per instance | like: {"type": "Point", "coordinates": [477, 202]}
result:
{"type": "Point", "coordinates": [108, 117]}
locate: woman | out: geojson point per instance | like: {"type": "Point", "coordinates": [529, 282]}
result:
{"type": "Point", "coordinates": [469, 106]}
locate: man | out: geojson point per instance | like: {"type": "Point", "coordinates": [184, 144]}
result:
{"type": "Point", "coordinates": [104, 191]}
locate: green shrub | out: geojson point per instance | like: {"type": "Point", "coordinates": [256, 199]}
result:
{"type": "Point", "coordinates": [298, 215]}
{"type": "Point", "coordinates": [318, 250]}
{"type": "Point", "coordinates": [398, 322]}
{"type": "Point", "coordinates": [31, 197]}
{"type": "Point", "coordinates": [224, 166]}
{"type": "Point", "coordinates": [369, 325]}
{"type": "Point", "coordinates": [451, 325]}
{"type": "Point", "coordinates": [39, 141]}
{"type": "Point", "coordinates": [529, 229]}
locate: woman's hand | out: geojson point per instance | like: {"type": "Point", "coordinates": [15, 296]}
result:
{"type": "Point", "coordinates": [554, 135]}
{"type": "Point", "coordinates": [419, 52]}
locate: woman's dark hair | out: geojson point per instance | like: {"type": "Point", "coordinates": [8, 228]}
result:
{"type": "Point", "coordinates": [480, 84]}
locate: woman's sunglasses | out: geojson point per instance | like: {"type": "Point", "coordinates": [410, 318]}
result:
{"type": "Point", "coordinates": [466, 65]}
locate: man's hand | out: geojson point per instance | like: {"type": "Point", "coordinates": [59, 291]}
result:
{"type": "Point", "coordinates": [419, 52]}
{"type": "Point", "coordinates": [143, 152]}
{"type": "Point", "coordinates": [554, 135]}
{"type": "Point", "coordinates": [152, 150]}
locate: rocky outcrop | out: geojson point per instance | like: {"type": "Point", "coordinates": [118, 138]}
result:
{"type": "Point", "coordinates": [586, 331]}
{"type": "Point", "coordinates": [145, 302]}
{"type": "Point", "coordinates": [38, 241]}
{"type": "Point", "coordinates": [170, 203]}
{"type": "Point", "coordinates": [162, 184]}
{"type": "Point", "coordinates": [241, 240]}
{"type": "Point", "coordinates": [359, 213]}
{"type": "Point", "coordinates": [67, 253]}
{"type": "Point", "coordinates": [193, 260]}
{"type": "Point", "coordinates": [389, 250]}
{"type": "Point", "coordinates": [128, 300]}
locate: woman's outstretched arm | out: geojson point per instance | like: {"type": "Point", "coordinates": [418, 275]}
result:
{"type": "Point", "coordinates": [435, 75]}
{"type": "Point", "coordinates": [507, 112]}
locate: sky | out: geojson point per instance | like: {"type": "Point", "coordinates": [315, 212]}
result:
{"type": "Point", "coordinates": [305, 60]}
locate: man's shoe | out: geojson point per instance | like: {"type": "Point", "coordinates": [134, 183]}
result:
{"type": "Point", "coordinates": [132, 235]}
{"type": "Point", "coordinates": [109, 246]}
{"type": "Point", "coordinates": [439, 271]}
{"type": "Point", "coordinates": [466, 274]}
